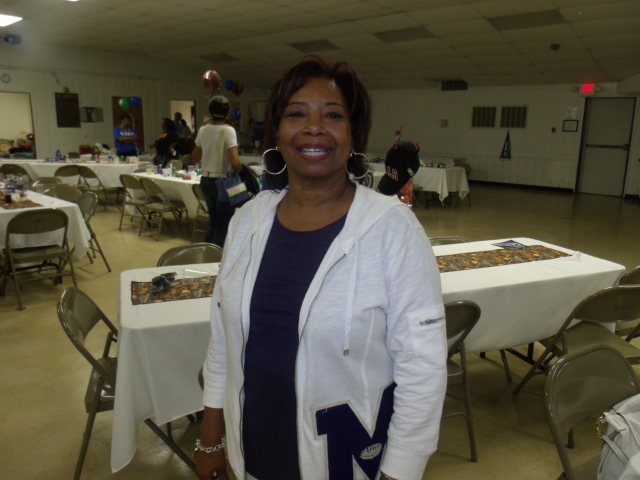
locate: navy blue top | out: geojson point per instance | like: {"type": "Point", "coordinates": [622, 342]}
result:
{"type": "Point", "coordinates": [120, 132]}
{"type": "Point", "coordinates": [290, 261]}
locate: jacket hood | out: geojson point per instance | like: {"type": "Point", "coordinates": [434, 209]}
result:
{"type": "Point", "coordinates": [367, 208]}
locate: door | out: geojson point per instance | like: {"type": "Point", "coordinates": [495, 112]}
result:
{"type": "Point", "coordinates": [605, 148]}
{"type": "Point", "coordinates": [138, 120]}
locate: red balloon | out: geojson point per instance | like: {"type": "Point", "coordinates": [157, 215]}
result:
{"type": "Point", "coordinates": [211, 82]}
{"type": "Point", "coordinates": [237, 89]}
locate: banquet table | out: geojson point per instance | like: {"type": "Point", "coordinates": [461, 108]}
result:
{"type": "Point", "coordinates": [109, 173]}
{"type": "Point", "coordinates": [77, 232]}
{"type": "Point", "coordinates": [525, 302]}
{"type": "Point", "coordinates": [440, 180]}
{"type": "Point", "coordinates": [161, 349]}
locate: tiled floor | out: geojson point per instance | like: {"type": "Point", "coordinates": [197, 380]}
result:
{"type": "Point", "coordinates": [43, 378]}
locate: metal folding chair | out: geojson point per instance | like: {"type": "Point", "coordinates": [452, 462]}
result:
{"type": "Point", "coordinates": [132, 185]}
{"type": "Point", "coordinates": [202, 207]}
{"type": "Point", "coordinates": [68, 171]}
{"type": "Point", "coordinates": [63, 191]}
{"type": "Point", "coordinates": [92, 183]}
{"type": "Point", "coordinates": [158, 204]}
{"type": "Point", "coordinates": [461, 317]}
{"type": "Point", "coordinates": [580, 385]}
{"type": "Point", "coordinates": [78, 315]}
{"type": "Point", "coordinates": [88, 202]}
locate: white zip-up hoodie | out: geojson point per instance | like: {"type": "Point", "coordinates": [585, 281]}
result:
{"type": "Point", "coordinates": [370, 371]}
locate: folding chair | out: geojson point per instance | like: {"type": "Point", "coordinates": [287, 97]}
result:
{"type": "Point", "coordinates": [78, 314]}
{"type": "Point", "coordinates": [461, 317]}
{"type": "Point", "coordinates": [68, 171]}
{"type": "Point", "coordinates": [87, 203]}
{"type": "Point", "coordinates": [582, 384]}
{"type": "Point", "coordinates": [7, 168]}
{"type": "Point", "coordinates": [174, 163]}
{"type": "Point", "coordinates": [202, 207]}
{"type": "Point", "coordinates": [191, 254]}
{"type": "Point", "coordinates": [632, 329]}
{"type": "Point", "coordinates": [91, 183]}
{"type": "Point", "coordinates": [158, 204]}
{"type": "Point", "coordinates": [609, 305]}
{"type": "Point", "coordinates": [45, 181]}
{"type": "Point", "coordinates": [135, 197]}
{"type": "Point", "coordinates": [20, 261]}
{"type": "Point", "coordinates": [63, 191]}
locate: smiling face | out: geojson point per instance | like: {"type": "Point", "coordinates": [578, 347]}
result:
{"type": "Point", "coordinates": [314, 135]}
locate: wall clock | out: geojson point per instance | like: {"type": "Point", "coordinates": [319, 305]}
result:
{"type": "Point", "coordinates": [5, 78]}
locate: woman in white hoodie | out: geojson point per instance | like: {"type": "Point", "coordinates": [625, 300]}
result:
{"type": "Point", "coordinates": [328, 349]}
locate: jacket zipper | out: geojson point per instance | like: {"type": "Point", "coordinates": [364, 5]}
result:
{"type": "Point", "coordinates": [243, 345]}
{"type": "Point", "coordinates": [300, 341]}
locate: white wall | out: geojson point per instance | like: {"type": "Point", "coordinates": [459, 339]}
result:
{"type": "Point", "coordinates": [15, 116]}
{"type": "Point", "coordinates": [539, 157]}
{"type": "Point", "coordinates": [95, 76]}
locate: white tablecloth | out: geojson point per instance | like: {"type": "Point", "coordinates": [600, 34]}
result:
{"type": "Point", "coordinates": [440, 180]}
{"type": "Point", "coordinates": [77, 232]}
{"type": "Point", "coordinates": [161, 348]}
{"type": "Point", "coordinates": [108, 173]}
{"type": "Point", "coordinates": [525, 302]}
{"type": "Point", "coordinates": [176, 189]}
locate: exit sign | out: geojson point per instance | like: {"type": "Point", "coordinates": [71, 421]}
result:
{"type": "Point", "coordinates": [588, 89]}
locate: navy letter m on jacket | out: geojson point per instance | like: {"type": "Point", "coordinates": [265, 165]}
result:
{"type": "Point", "coordinates": [348, 439]}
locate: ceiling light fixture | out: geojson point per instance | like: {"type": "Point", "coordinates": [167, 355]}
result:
{"type": "Point", "coordinates": [527, 20]}
{"type": "Point", "coordinates": [6, 20]}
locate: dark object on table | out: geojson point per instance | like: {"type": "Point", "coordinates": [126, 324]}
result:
{"type": "Point", "coordinates": [401, 165]}
{"type": "Point", "coordinates": [161, 283]}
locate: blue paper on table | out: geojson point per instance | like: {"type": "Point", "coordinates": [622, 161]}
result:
{"type": "Point", "coordinates": [510, 244]}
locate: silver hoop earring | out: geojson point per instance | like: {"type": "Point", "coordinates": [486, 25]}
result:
{"type": "Point", "coordinates": [351, 175]}
{"type": "Point", "coordinates": [264, 165]}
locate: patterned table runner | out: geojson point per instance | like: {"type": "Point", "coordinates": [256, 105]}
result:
{"type": "Point", "coordinates": [496, 258]}
{"type": "Point", "coordinates": [18, 204]}
{"type": "Point", "coordinates": [202, 287]}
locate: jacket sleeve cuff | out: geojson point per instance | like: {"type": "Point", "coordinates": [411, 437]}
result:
{"type": "Point", "coordinates": [402, 462]}
{"type": "Point", "coordinates": [213, 396]}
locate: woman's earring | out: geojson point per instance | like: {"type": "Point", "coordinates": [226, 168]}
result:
{"type": "Point", "coordinates": [351, 175]}
{"type": "Point", "coordinates": [264, 165]}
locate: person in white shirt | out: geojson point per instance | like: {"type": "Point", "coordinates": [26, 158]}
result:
{"type": "Point", "coordinates": [217, 152]}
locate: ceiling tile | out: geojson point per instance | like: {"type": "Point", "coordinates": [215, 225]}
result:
{"type": "Point", "coordinates": [551, 33]}
{"type": "Point", "coordinates": [500, 49]}
{"type": "Point", "coordinates": [467, 27]}
{"type": "Point", "coordinates": [449, 14]}
{"type": "Point", "coordinates": [475, 39]}
{"type": "Point", "coordinates": [564, 78]}
{"type": "Point", "coordinates": [300, 35]}
{"type": "Point", "coordinates": [424, 45]}
{"type": "Point", "coordinates": [143, 7]}
{"type": "Point", "coordinates": [356, 11]}
{"type": "Point", "coordinates": [314, 6]}
{"type": "Point", "coordinates": [585, 66]}
{"type": "Point", "coordinates": [509, 69]}
{"type": "Point", "coordinates": [559, 56]}
{"type": "Point", "coordinates": [578, 3]}
{"type": "Point", "coordinates": [356, 41]}
{"type": "Point", "coordinates": [504, 8]}
{"type": "Point", "coordinates": [566, 45]}
{"type": "Point", "coordinates": [612, 41]}
{"type": "Point", "coordinates": [630, 53]}
{"type": "Point", "coordinates": [618, 75]}
{"type": "Point", "coordinates": [489, 60]}
{"type": "Point", "coordinates": [386, 23]}
{"type": "Point", "coordinates": [337, 30]}
{"type": "Point", "coordinates": [600, 12]}
{"type": "Point", "coordinates": [407, 5]}
{"type": "Point", "coordinates": [594, 28]}
{"type": "Point", "coordinates": [479, 80]}
{"type": "Point", "coordinates": [520, 79]}
{"type": "Point", "coordinates": [620, 64]}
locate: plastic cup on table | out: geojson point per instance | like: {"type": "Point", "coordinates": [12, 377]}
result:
{"type": "Point", "coordinates": [149, 170]}
{"type": "Point", "coordinates": [39, 188]}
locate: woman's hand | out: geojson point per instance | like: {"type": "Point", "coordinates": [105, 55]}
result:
{"type": "Point", "coordinates": [209, 463]}
{"type": "Point", "coordinates": [205, 121]}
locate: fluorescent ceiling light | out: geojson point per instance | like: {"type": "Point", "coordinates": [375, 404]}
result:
{"type": "Point", "coordinates": [72, 0]}
{"type": "Point", "coordinates": [6, 20]}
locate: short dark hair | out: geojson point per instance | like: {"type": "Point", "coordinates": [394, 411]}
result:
{"type": "Point", "coordinates": [354, 93]}
{"type": "Point", "coordinates": [169, 125]}
{"type": "Point", "coordinates": [125, 116]}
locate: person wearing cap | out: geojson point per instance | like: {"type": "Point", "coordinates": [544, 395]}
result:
{"type": "Point", "coordinates": [327, 357]}
{"type": "Point", "coordinates": [401, 164]}
{"type": "Point", "coordinates": [166, 143]}
{"type": "Point", "coordinates": [217, 152]}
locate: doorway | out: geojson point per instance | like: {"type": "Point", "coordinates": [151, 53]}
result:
{"type": "Point", "coordinates": [605, 145]}
{"type": "Point", "coordinates": [188, 110]}
{"type": "Point", "coordinates": [16, 126]}
{"type": "Point", "coordinates": [138, 120]}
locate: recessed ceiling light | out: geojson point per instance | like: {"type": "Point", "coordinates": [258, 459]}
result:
{"type": "Point", "coordinates": [73, 0]}
{"type": "Point", "coordinates": [8, 20]}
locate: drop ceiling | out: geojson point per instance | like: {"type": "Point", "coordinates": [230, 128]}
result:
{"type": "Point", "coordinates": [392, 44]}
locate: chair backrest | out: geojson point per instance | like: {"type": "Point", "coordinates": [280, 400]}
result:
{"type": "Point", "coordinates": [87, 203]}
{"type": "Point", "coordinates": [32, 222]}
{"type": "Point", "coordinates": [582, 384]}
{"type": "Point", "coordinates": [153, 190]}
{"type": "Point", "coordinates": [78, 314]}
{"type": "Point", "coordinates": [467, 169]}
{"type": "Point", "coordinates": [63, 191]}
{"type": "Point", "coordinates": [140, 170]}
{"type": "Point", "coordinates": [86, 172]}
{"type": "Point", "coordinates": [68, 171]}
{"type": "Point", "coordinates": [74, 154]}
{"type": "Point", "coordinates": [46, 181]}
{"type": "Point", "coordinates": [461, 317]}
{"type": "Point", "coordinates": [130, 182]}
{"type": "Point", "coordinates": [188, 254]}
{"type": "Point", "coordinates": [175, 163]}
{"type": "Point", "coordinates": [447, 240]}
{"type": "Point", "coordinates": [16, 169]}
{"type": "Point", "coordinates": [632, 277]}
{"type": "Point", "coordinates": [610, 305]}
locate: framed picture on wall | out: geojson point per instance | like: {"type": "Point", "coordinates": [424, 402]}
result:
{"type": "Point", "coordinates": [570, 126]}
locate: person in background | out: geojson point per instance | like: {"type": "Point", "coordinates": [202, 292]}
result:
{"type": "Point", "coordinates": [401, 164]}
{"type": "Point", "coordinates": [176, 120]}
{"type": "Point", "coordinates": [126, 137]}
{"type": "Point", "coordinates": [166, 143]}
{"type": "Point", "coordinates": [186, 130]}
{"type": "Point", "coordinates": [325, 350]}
{"type": "Point", "coordinates": [217, 152]}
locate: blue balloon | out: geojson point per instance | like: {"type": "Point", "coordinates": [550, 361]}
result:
{"type": "Point", "coordinates": [136, 102]}
{"type": "Point", "coordinates": [236, 114]}
{"type": "Point", "coordinates": [228, 85]}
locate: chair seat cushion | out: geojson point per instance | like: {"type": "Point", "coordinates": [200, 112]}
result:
{"type": "Point", "coordinates": [136, 202]}
{"type": "Point", "coordinates": [586, 334]}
